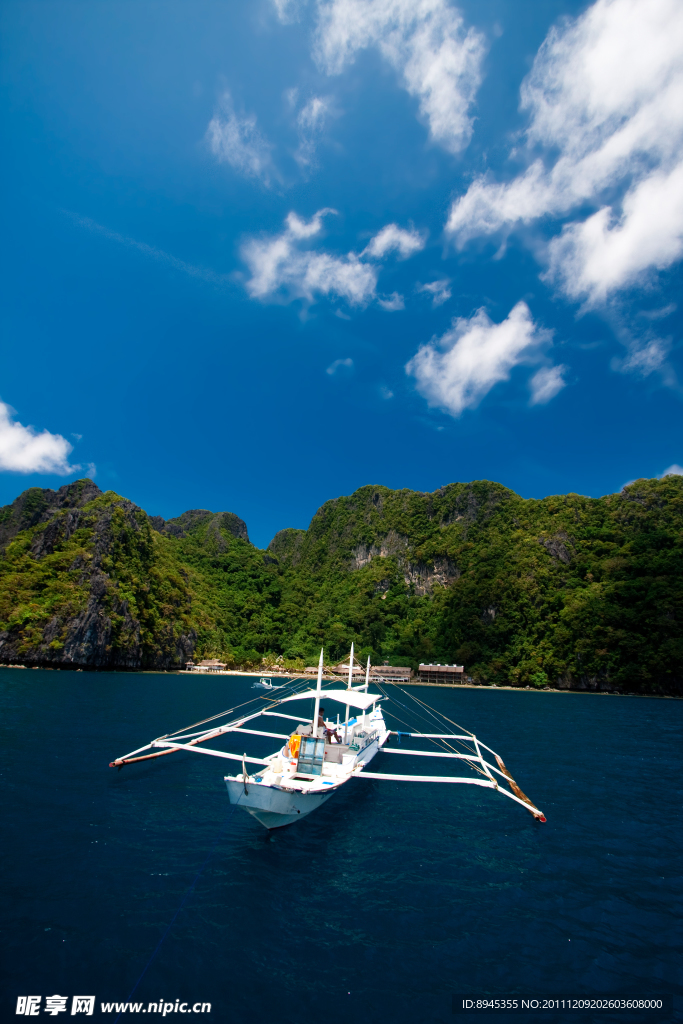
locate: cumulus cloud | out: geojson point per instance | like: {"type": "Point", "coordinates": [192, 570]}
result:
{"type": "Point", "coordinates": [425, 41]}
{"type": "Point", "coordinates": [310, 123]}
{"type": "Point", "coordinates": [457, 370]}
{"type": "Point", "coordinates": [25, 450]}
{"type": "Point", "coordinates": [281, 269]}
{"type": "Point", "coordinates": [439, 290]}
{"type": "Point", "coordinates": [392, 238]}
{"type": "Point", "coordinates": [237, 141]}
{"type": "Point", "coordinates": [546, 383]}
{"type": "Point", "coordinates": [594, 258]}
{"type": "Point", "coordinates": [674, 470]}
{"type": "Point", "coordinates": [605, 106]}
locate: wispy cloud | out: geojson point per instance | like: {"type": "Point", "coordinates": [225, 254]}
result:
{"type": "Point", "coordinates": [392, 303]}
{"type": "Point", "coordinates": [288, 11]}
{"type": "Point", "coordinates": [425, 41]}
{"type": "Point", "coordinates": [339, 364]}
{"type": "Point", "coordinates": [644, 356]}
{"type": "Point", "coordinates": [149, 250]}
{"type": "Point", "coordinates": [456, 371]}
{"type": "Point", "coordinates": [439, 290]}
{"type": "Point", "coordinates": [237, 141]}
{"type": "Point", "coordinates": [26, 450]}
{"type": "Point", "coordinates": [310, 124]}
{"type": "Point", "coordinates": [546, 383]}
{"type": "Point", "coordinates": [674, 470]}
{"type": "Point", "coordinates": [605, 105]}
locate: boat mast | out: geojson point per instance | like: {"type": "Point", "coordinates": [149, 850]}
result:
{"type": "Point", "coordinates": [318, 691]}
{"type": "Point", "coordinates": [365, 688]}
{"type": "Point", "coordinates": [346, 720]}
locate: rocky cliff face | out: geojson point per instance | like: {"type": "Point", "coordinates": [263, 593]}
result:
{"type": "Point", "coordinates": [412, 529]}
{"type": "Point", "coordinates": [103, 611]}
{"type": "Point", "coordinates": [214, 522]}
{"type": "Point", "coordinates": [38, 505]}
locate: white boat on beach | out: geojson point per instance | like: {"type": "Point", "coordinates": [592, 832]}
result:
{"type": "Point", "coordinates": [321, 755]}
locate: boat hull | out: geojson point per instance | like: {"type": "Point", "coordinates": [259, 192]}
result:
{"type": "Point", "coordinates": [274, 807]}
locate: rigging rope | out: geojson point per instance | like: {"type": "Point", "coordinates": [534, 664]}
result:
{"type": "Point", "coordinates": [230, 711]}
{"type": "Point", "coordinates": [444, 743]}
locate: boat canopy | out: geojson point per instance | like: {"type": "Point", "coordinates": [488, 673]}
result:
{"type": "Point", "coordinates": [352, 697]}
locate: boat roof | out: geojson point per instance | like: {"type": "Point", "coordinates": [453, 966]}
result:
{"type": "Point", "coordinates": [351, 697]}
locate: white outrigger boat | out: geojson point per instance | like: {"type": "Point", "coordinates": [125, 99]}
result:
{"type": "Point", "coordinates": [320, 755]}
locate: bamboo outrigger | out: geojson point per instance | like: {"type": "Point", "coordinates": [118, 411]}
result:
{"type": "Point", "coordinates": [318, 758]}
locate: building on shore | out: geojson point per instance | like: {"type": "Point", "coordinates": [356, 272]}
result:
{"type": "Point", "coordinates": [208, 665]}
{"type": "Point", "coordinates": [357, 673]}
{"type": "Point", "coordinates": [441, 674]}
{"type": "Point", "coordinates": [392, 673]}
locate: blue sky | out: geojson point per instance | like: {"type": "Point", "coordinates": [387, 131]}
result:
{"type": "Point", "coordinates": [260, 254]}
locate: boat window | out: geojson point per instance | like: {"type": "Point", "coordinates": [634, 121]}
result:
{"type": "Point", "coordinates": [311, 755]}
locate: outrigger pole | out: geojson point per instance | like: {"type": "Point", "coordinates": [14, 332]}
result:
{"type": "Point", "coordinates": [189, 739]}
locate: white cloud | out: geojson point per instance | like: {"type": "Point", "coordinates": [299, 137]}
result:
{"type": "Point", "coordinates": [392, 303]}
{"type": "Point", "coordinates": [460, 368]}
{"type": "Point", "coordinates": [674, 470]}
{"type": "Point", "coordinates": [386, 392]}
{"type": "Point", "coordinates": [278, 265]}
{"type": "Point", "coordinates": [337, 364]}
{"type": "Point", "coordinates": [439, 290]}
{"type": "Point", "coordinates": [427, 44]}
{"type": "Point", "coordinates": [299, 228]}
{"type": "Point", "coordinates": [605, 104]}
{"type": "Point", "coordinates": [658, 314]}
{"type": "Point", "coordinates": [238, 142]}
{"type": "Point", "coordinates": [392, 238]}
{"type": "Point", "coordinates": [281, 268]}
{"type": "Point", "coordinates": [644, 356]}
{"type": "Point", "coordinates": [310, 123]}
{"type": "Point", "coordinates": [546, 383]}
{"type": "Point", "coordinates": [596, 257]}
{"type": "Point", "coordinates": [24, 450]}
{"type": "Point", "coordinates": [287, 10]}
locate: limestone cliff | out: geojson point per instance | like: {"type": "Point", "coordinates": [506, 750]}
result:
{"type": "Point", "coordinates": [564, 591]}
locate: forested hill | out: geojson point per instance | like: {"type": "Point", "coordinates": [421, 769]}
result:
{"type": "Point", "coordinates": [566, 590]}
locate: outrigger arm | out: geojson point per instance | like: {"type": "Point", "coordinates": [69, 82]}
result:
{"type": "Point", "coordinates": [490, 783]}
{"type": "Point", "coordinates": [353, 697]}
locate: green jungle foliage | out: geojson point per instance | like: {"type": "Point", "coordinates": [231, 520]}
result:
{"type": "Point", "coordinates": [522, 592]}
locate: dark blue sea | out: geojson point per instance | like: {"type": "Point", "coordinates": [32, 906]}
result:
{"type": "Point", "coordinates": [380, 906]}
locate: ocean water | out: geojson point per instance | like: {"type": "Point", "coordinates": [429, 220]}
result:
{"type": "Point", "coordinates": [381, 905]}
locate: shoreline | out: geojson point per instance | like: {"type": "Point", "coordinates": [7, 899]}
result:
{"type": "Point", "coordinates": [330, 678]}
